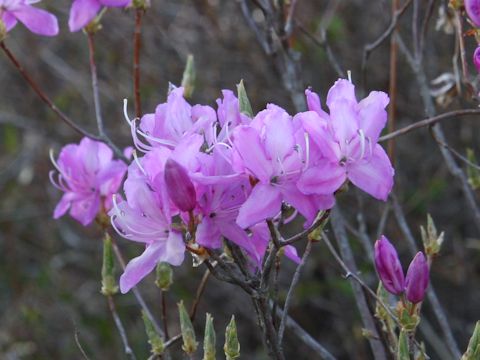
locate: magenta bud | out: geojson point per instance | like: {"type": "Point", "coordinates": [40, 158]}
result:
{"type": "Point", "coordinates": [388, 266]}
{"type": "Point", "coordinates": [417, 279]}
{"type": "Point", "coordinates": [473, 10]}
{"type": "Point", "coordinates": [179, 186]}
{"type": "Point", "coordinates": [313, 101]}
{"type": "Point", "coordinates": [476, 58]}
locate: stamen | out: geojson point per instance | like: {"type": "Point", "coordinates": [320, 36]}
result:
{"type": "Point", "coordinates": [135, 157]}
{"type": "Point", "coordinates": [349, 75]}
{"type": "Point", "coordinates": [125, 112]}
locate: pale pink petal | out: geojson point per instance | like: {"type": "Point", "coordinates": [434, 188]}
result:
{"type": "Point", "coordinates": [263, 203]}
{"type": "Point", "coordinates": [372, 114]}
{"type": "Point", "coordinates": [62, 206]}
{"type": "Point", "coordinates": [9, 20]}
{"type": "Point", "coordinates": [305, 204]}
{"type": "Point", "coordinates": [343, 120]}
{"type": "Point", "coordinates": [314, 104]}
{"type": "Point", "coordinates": [373, 175]}
{"type": "Point", "coordinates": [85, 210]}
{"type": "Point", "coordinates": [291, 253]}
{"type": "Point", "coordinates": [208, 234]}
{"type": "Point", "coordinates": [82, 12]}
{"type": "Point", "coordinates": [115, 3]}
{"type": "Point", "coordinates": [175, 249]}
{"type": "Point", "coordinates": [38, 21]}
{"type": "Point", "coordinates": [324, 178]}
{"type": "Point", "coordinates": [250, 155]}
{"type": "Point", "coordinates": [341, 90]}
{"type": "Point", "coordinates": [237, 235]}
{"type": "Point", "coordinates": [279, 136]}
{"type": "Point", "coordinates": [141, 266]}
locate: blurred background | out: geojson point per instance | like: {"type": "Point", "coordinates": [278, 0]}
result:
{"type": "Point", "coordinates": [50, 270]}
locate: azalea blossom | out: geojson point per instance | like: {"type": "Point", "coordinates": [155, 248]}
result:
{"type": "Point", "coordinates": [83, 12]}
{"type": "Point", "coordinates": [272, 150]}
{"type": "Point", "coordinates": [174, 120]}
{"type": "Point", "coordinates": [36, 20]}
{"type": "Point", "coordinates": [89, 176]}
{"type": "Point", "coordinates": [146, 217]}
{"type": "Point", "coordinates": [346, 140]}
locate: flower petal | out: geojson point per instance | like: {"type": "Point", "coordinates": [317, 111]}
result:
{"type": "Point", "coordinates": [141, 266]}
{"type": "Point", "coordinates": [82, 12]}
{"type": "Point", "coordinates": [115, 3]}
{"type": "Point", "coordinates": [263, 203]}
{"type": "Point", "coordinates": [341, 90]}
{"type": "Point", "coordinates": [373, 175]}
{"type": "Point", "coordinates": [38, 21]}
{"type": "Point", "coordinates": [324, 178]}
{"type": "Point", "coordinates": [9, 20]}
{"type": "Point", "coordinates": [372, 114]}
{"type": "Point", "coordinates": [343, 120]}
{"type": "Point", "coordinates": [208, 234]}
{"type": "Point", "coordinates": [84, 210]}
{"type": "Point", "coordinates": [249, 154]}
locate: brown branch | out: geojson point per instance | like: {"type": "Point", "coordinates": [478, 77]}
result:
{"type": "Point", "coordinates": [41, 94]}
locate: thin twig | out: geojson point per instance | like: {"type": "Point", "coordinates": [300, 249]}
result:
{"type": "Point", "coordinates": [428, 122]}
{"type": "Point", "coordinates": [293, 284]}
{"type": "Point", "coordinates": [120, 328]}
{"type": "Point", "coordinates": [96, 100]}
{"type": "Point", "coordinates": [79, 345]}
{"type": "Point", "coordinates": [321, 221]}
{"type": "Point", "coordinates": [199, 293]}
{"type": "Point", "coordinates": [137, 39]}
{"type": "Point", "coordinates": [41, 94]}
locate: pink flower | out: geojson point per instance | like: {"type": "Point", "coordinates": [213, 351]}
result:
{"type": "Point", "coordinates": [179, 186]}
{"type": "Point", "coordinates": [89, 177]}
{"type": "Point", "coordinates": [36, 20]}
{"type": "Point", "coordinates": [146, 217]}
{"type": "Point", "coordinates": [272, 150]}
{"type": "Point", "coordinates": [83, 12]}
{"type": "Point", "coordinates": [346, 142]}
{"type": "Point", "coordinates": [174, 120]}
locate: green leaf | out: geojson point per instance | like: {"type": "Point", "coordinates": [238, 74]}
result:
{"type": "Point", "coordinates": [209, 340]}
{"type": "Point", "coordinates": [244, 102]}
{"type": "Point", "coordinates": [232, 346]}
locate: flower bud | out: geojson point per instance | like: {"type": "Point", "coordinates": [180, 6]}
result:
{"type": "Point", "coordinates": [209, 340]}
{"type": "Point", "coordinates": [155, 341]}
{"type": "Point", "coordinates": [473, 350]}
{"type": "Point", "coordinates": [244, 102]}
{"type": "Point", "coordinates": [476, 58]}
{"type": "Point", "coordinates": [416, 282]}
{"type": "Point", "coordinates": [179, 186]}
{"type": "Point", "coordinates": [473, 11]}
{"type": "Point", "coordinates": [164, 276]}
{"type": "Point", "coordinates": [388, 266]}
{"type": "Point", "coordinates": [188, 333]}
{"type": "Point", "coordinates": [232, 346]}
{"type": "Point", "coordinates": [189, 76]}
{"type": "Point", "coordinates": [109, 285]}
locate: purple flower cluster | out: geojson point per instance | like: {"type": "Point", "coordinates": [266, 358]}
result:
{"type": "Point", "coordinates": [225, 174]}
{"type": "Point", "coordinates": [220, 175]}
{"type": "Point", "coordinates": [390, 271]}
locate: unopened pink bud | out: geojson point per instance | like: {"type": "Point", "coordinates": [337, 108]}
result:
{"type": "Point", "coordinates": [417, 279]}
{"type": "Point", "coordinates": [179, 186]}
{"type": "Point", "coordinates": [388, 266]}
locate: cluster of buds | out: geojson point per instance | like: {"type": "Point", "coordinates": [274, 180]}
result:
{"type": "Point", "coordinates": [414, 285]}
